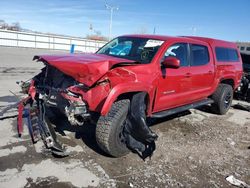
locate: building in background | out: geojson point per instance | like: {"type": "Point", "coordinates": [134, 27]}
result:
{"type": "Point", "coordinates": [244, 47]}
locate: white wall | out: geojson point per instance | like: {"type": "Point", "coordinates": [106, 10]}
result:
{"type": "Point", "coordinates": [46, 41]}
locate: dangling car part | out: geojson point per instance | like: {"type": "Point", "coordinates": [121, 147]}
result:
{"type": "Point", "coordinates": [130, 79]}
{"type": "Point", "coordinates": [39, 125]}
{"type": "Point", "coordinates": [139, 137]}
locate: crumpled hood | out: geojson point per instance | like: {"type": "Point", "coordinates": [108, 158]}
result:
{"type": "Point", "coordinates": [85, 68]}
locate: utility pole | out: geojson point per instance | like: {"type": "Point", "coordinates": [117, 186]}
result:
{"type": "Point", "coordinates": [111, 8]}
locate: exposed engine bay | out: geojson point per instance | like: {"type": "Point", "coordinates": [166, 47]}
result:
{"type": "Point", "coordinates": [46, 94]}
{"type": "Point", "coordinates": [52, 91]}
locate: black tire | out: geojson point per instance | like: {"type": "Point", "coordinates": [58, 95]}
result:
{"type": "Point", "coordinates": [222, 97]}
{"type": "Point", "coordinates": [109, 129]}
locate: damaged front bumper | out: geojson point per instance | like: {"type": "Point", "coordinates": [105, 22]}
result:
{"type": "Point", "coordinates": [39, 125]}
{"type": "Point", "coordinates": [34, 108]}
{"type": "Point", "coordinates": [44, 98]}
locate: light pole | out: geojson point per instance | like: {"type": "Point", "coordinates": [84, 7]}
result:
{"type": "Point", "coordinates": [111, 8]}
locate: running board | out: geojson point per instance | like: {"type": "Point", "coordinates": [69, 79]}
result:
{"type": "Point", "coordinates": [182, 108]}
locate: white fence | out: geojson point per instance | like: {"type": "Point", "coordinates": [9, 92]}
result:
{"type": "Point", "coordinates": [46, 41]}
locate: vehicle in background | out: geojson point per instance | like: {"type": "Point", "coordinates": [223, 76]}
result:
{"type": "Point", "coordinates": [243, 91]}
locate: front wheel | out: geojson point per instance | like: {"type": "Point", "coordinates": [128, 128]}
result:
{"type": "Point", "coordinates": [109, 129]}
{"type": "Point", "coordinates": [222, 97]}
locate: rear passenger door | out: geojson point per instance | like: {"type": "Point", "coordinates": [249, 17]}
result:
{"type": "Point", "coordinates": [202, 71]}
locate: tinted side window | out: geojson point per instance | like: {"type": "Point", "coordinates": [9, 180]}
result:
{"type": "Point", "coordinates": [179, 51]}
{"type": "Point", "coordinates": [226, 54]}
{"type": "Point", "coordinates": [199, 54]}
{"type": "Point", "coordinates": [233, 55]}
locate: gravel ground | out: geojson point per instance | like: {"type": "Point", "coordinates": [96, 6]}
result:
{"type": "Point", "coordinates": [194, 149]}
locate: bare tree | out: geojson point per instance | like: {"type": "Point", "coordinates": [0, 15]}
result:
{"type": "Point", "coordinates": [15, 26]}
{"type": "Point", "coordinates": [3, 24]}
{"type": "Point", "coordinates": [95, 34]}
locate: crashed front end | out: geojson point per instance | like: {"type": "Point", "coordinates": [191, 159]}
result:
{"type": "Point", "coordinates": [78, 87]}
{"type": "Point", "coordinates": [52, 91]}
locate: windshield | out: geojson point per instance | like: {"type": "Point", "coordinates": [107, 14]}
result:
{"type": "Point", "coordinates": [133, 48]}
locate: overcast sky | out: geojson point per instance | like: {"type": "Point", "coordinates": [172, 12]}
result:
{"type": "Point", "coordinates": [223, 19]}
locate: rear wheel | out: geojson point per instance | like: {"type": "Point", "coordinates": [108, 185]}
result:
{"type": "Point", "coordinates": [109, 129]}
{"type": "Point", "coordinates": [222, 97]}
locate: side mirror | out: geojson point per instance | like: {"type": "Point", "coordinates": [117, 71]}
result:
{"type": "Point", "coordinates": [171, 62]}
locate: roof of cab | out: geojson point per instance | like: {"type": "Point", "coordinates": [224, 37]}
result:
{"type": "Point", "coordinates": [215, 42]}
{"type": "Point", "coordinates": [210, 41]}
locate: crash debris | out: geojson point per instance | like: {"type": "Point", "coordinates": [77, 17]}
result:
{"type": "Point", "coordinates": [232, 180]}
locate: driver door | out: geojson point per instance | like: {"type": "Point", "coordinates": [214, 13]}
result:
{"type": "Point", "coordinates": [174, 84]}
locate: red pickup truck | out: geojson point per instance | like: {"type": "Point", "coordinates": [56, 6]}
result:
{"type": "Point", "coordinates": [131, 78]}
